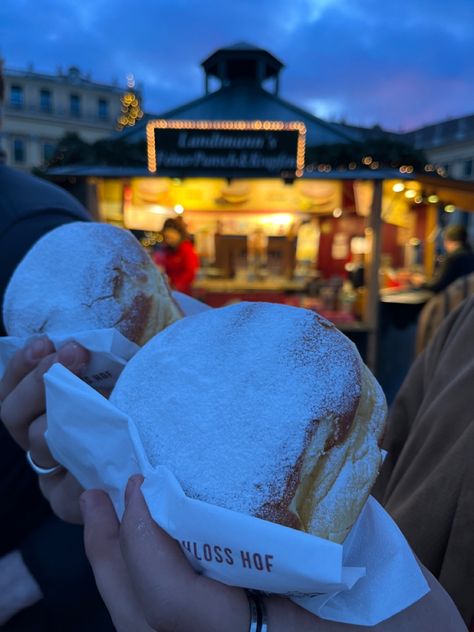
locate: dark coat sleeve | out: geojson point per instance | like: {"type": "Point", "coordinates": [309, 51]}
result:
{"type": "Point", "coordinates": [446, 275]}
{"type": "Point", "coordinates": [427, 480]}
{"type": "Point", "coordinates": [52, 550]}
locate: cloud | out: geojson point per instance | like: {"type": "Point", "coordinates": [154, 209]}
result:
{"type": "Point", "coordinates": [399, 64]}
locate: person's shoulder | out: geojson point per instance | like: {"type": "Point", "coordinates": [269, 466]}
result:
{"type": "Point", "coordinates": [463, 261]}
{"type": "Point", "coordinates": [186, 246]}
{"type": "Point", "coordinates": [23, 193]}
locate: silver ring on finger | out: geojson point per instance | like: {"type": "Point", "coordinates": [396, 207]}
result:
{"type": "Point", "coordinates": [42, 471]}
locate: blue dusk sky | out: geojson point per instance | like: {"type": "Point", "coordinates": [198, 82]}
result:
{"type": "Point", "coordinates": [397, 63]}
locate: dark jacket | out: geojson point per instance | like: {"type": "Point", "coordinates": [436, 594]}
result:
{"type": "Point", "coordinates": [456, 264]}
{"type": "Point", "coordinates": [439, 306]}
{"type": "Point", "coordinates": [29, 208]}
{"type": "Point", "coordinates": [52, 549]}
{"type": "Point", "coordinates": [427, 479]}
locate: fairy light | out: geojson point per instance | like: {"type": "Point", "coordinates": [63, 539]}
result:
{"type": "Point", "coordinates": [131, 111]}
{"type": "Point", "coordinates": [256, 125]}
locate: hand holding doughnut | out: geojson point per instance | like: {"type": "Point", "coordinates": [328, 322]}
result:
{"type": "Point", "coordinates": [22, 393]}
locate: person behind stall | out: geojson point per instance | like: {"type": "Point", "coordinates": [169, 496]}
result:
{"type": "Point", "coordinates": [177, 257]}
{"type": "Point", "coordinates": [458, 262]}
{"type": "Point", "coordinates": [142, 573]}
{"type": "Point", "coordinates": [45, 580]}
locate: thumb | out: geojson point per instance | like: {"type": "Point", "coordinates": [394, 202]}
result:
{"type": "Point", "coordinates": [173, 596]}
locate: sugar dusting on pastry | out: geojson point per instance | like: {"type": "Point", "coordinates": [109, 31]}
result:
{"type": "Point", "coordinates": [231, 399]}
{"type": "Point", "coordinates": [86, 275]}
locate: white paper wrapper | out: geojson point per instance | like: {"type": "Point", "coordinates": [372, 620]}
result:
{"type": "Point", "coordinates": [370, 578]}
{"type": "Point", "coordinates": [109, 353]}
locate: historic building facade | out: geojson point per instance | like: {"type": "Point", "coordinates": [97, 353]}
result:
{"type": "Point", "coordinates": [39, 109]}
{"type": "Point", "coordinates": [449, 144]}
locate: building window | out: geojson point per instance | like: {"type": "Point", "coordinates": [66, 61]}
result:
{"type": "Point", "coordinates": [16, 96]}
{"type": "Point", "coordinates": [467, 168]}
{"type": "Point", "coordinates": [19, 150]}
{"type": "Point", "coordinates": [46, 100]}
{"type": "Point", "coordinates": [75, 105]}
{"type": "Point", "coordinates": [103, 109]}
{"type": "Point", "coordinates": [48, 151]}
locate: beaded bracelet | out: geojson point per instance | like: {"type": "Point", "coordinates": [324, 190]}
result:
{"type": "Point", "coordinates": [258, 613]}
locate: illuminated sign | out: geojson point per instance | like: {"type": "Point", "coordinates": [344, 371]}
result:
{"type": "Point", "coordinates": [226, 148]}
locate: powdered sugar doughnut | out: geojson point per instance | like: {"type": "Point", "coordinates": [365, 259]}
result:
{"type": "Point", "coordinates": [263, 409]}
{"type": "Point", "coordinates": [87, 275]}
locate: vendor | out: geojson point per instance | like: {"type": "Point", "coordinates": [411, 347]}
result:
{"type": "Point", "coordinates": [177, 258]}
{"type": "Point", "coordinates": [459, 261]}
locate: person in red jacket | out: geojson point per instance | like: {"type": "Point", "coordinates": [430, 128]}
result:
{"type": "Point", "coordinates": [178, 257]}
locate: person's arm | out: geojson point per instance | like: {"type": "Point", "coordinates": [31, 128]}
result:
{"type": "Point", "coordinates": [445, 276]}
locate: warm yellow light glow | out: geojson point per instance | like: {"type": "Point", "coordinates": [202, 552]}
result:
{"type": "Point", "coordinates": [130, 107]}
{"type": "Point", "coordinates": [449, 208]}
{"type": "Point", "coordinates": [179, 209]}
{"type": "Point", "coordinates": [337, 212]}
{"type": "Point", "coordinates": [367, 160]}
{"type": "Point", "coordinates": [418, 199]}
{"type": "Point", "coordinates": [359, 245]}
{"type": "Point", "coordinates": [410, 194]}
{"type": "Point", "coordinates": [432, 199]}
{"type": "Point", "coordinates": [277, 219]}
{"type": "Point", "coordinates": [398, 187]}
{"type": "Point", "coordinates": [158, 210]}
{"type": "Point", "coordinates": [228, 125]}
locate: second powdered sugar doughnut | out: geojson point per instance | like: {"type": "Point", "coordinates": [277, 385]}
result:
{"type": "Point", "coordinates": [88, 275]}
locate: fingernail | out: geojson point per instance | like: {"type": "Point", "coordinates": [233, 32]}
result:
{"type": "Point", "coordinates": [69, 356]}
{"type": "Point", "coordinates": [36, 349]}
{"type": "Point", "coordinates": [133, 483]}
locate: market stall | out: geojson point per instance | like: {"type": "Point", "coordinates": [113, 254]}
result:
{"type": "Point", "coordinates": [265, 229]}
